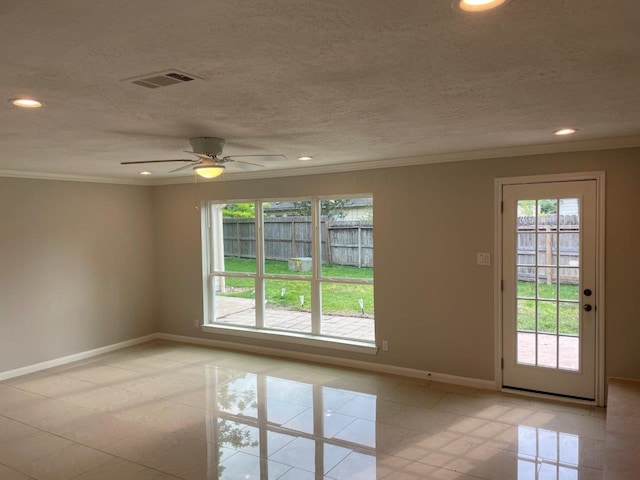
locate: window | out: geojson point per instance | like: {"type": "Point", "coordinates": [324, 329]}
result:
{"type": "Point", "coordinates": [301, 269]}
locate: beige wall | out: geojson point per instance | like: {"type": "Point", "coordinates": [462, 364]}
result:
{"type": "Point", "coordinates": [433, 303]}
{"type": "Point", "coordinates": [77, 268]}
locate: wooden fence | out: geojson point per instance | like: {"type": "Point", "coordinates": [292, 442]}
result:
{"type": "Point", "coordinates": [343, 242]}
{"type": "Point", "coordinates": [555, 243]}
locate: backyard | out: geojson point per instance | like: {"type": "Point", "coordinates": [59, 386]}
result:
{"type": "Point", "coordinates": [337, 298]}
{"type": "Point", "coordinates": [568, 314]}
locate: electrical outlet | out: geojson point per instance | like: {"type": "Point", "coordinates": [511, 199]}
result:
{"type": "Point", "coordinates": [484, 259]}
{"type": "Point", "coordinates": [196, 322]}
{"type": "Point", "coordinates": [385, 346]}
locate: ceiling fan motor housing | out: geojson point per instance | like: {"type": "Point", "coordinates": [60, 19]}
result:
{"type": "Point", "coordinates": [210, 146]}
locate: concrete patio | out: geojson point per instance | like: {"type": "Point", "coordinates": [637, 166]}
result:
{"type": "Point", "coordinates": [241, 311]}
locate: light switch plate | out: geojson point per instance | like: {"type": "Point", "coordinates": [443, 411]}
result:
{"type": "Point", "coordinates": [484, 259]}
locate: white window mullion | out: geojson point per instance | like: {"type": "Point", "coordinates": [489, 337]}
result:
{"type": "Point", "coordinates": [316, 266]}
{"type": "Point", "coordinates": [259, 279]}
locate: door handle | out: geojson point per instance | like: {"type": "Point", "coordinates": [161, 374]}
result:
{"type": "Point", "coordinates": [587, 307]}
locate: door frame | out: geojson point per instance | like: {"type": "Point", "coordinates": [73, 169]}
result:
{"type": "Point", "coordinates": [599, 178]}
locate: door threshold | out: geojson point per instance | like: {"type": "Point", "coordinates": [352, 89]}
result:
{"type": "Point", "coordinates": [549, 396]}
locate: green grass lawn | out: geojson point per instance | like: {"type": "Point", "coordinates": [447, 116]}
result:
{"type": "Point", "coordinates": [337, 298]}
{"type": "Point", "coordinates": [567, 315]}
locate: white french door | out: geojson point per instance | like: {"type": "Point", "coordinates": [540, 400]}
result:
{"type": "Point", "coordinates": [549, 287]}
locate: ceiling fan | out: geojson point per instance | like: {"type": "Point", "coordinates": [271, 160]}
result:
{"type": "Point", "coordinates": [208, 164]}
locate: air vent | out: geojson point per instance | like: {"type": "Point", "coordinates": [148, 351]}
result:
{"type": "Point", "coordinates": [162, 79]}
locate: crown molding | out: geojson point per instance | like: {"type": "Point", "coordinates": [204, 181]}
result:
{"type": "Point", "coordinates": [67, 177]}
{"type": "Point", "coordinates": [517, 151]}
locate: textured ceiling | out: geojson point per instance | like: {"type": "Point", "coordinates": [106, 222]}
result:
{"type": "Point", "coordinates": [346, 82]}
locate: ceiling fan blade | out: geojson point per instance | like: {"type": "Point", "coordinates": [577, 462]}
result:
{"type": "Point", "coordinates": [202, 156]}
{"type": "Point", "coordinates": [245, 165]}
{"type": "Point", "coordinates": [264, 158]}
{"type": "Point", "coordinates": [156, 161]}
{"type": "Point", "coordinates": [193, 164]}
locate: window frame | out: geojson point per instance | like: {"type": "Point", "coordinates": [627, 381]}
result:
{"type": "Point", "coordinates": [259, 331]}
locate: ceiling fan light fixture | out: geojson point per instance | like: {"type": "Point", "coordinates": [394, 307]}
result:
{"type": "Point", "coordinates": [209, 171]}
{"type": "Point", "coordinates": [26, 102]}
{"type": "Point", "coordinates": [478, 5]}
{"type": "Point", "coordinates": [145, 172]}
{"type": "Point", "coordinates": [305, 158]}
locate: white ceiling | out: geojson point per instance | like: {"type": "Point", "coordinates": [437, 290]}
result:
{"type": "Point", "coordinates": [348, 82]}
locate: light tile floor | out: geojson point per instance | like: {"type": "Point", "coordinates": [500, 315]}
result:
{"type": "Point", "coordinates": [172, 411]}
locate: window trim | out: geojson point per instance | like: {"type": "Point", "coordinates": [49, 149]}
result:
{"type": "Point", "coordinates": [315, 338]}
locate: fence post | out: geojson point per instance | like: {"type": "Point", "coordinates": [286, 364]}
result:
{"type": "Point", "coordinates": [293, 238]}
{"type": "Point", "coordinates": [238, 239]}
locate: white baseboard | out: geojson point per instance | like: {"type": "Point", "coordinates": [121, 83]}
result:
{"type": "Point", "coordinates": [343, 362]}
{"type": "Point", "coordinates": [75, 357]}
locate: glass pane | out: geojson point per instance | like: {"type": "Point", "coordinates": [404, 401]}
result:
{"type": "Point", "coordinates": [547, 317]}
{"type": "Point", "coordinates": [526, 286]}
{"type": "Point", "coordinates": [527, 315]}
{"type": "Point", "coordinates": [547, 245]}
{"type": "Point", "coordinates": [569, 280]}
{"type": "Point", "coordinates": [238, 253]}
{"type": "Point", "coordinates": [526, 348]}
{"type": "Point", "coordinates": [526, 249]}
{"type": "Point", "coordinates": [288, 305]}
{"type": "Point", "coordinates": [547, 351]}
{"type": "Point", "coordinates": [569, 249]}
{"type": "Point", "coordinates": [526, 214]}
{"type": "Point", "coordinates": [569, 318]}
{"type": "Point", "coordinates": [547, 286]}
{"type": "Point", "coordinates": [234, 301]}
{"type": "Point", "coordinates": [347, 311]}
{"type": "Point", "coordinates": [547, 214]}
{"type": "Point", "coordinates": [287, 237]}
{"type": "Point", "coordinates": [346, 233]}
{"type": "Point", "coordinates": [570, 210]}
{"type": "Point", "coordinates": [569, 354]}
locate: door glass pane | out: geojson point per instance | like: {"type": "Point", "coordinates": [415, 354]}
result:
{"type": "Point", "coordinates": [569, 318]}
{"type": "Point", "coordinates": [547, 317]}
{"type": "Point", "coordinates": [288, 305]}
{"type": "Point", "coordinates": [526, 285]}
{"type": "Point", "coordinates": [547, 214]}
{"type": "Point", "coordinates": [547, 283]}
{"type": "Point", "coordinates": [526, 348]}
{"type": "Point", "coordinates": [569, 354]}
{"type": "Point", "coordinates": [569, 288]}
{"type": "Point", "coordinates": [526, 315]}
{"type": "Point", "coordinates": [547, 245]}
{"type": "Point", "coordinates": [547, 351]}
{"type": "Point", "coordinates": [526, 249]}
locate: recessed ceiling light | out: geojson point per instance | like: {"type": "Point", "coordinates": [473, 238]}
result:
{"type": "Point", "coordinates": [145, 173]}
{"type": "Point", "coordinates": [26, 103]}
{"type": "Point", "coordinates": [565, 131]}
{"type": "Point", "coordinates": [478, 5]}
{"type": "Point", "coordinates": [305, 158]}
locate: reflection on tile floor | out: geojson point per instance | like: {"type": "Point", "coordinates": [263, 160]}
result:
{"type": "Point", "coordinates": [165, 410]}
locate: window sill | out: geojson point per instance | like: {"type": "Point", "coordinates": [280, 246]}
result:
{"type": "Point", "coordinates": [294, 338]}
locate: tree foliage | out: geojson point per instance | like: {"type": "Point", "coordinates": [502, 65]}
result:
{"type": "Point", "coordinates": [334, 209]}
{"type": "Point", "coordinates": [527, 208]}
{"type": "Point", "coordinates": [239, 210]}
